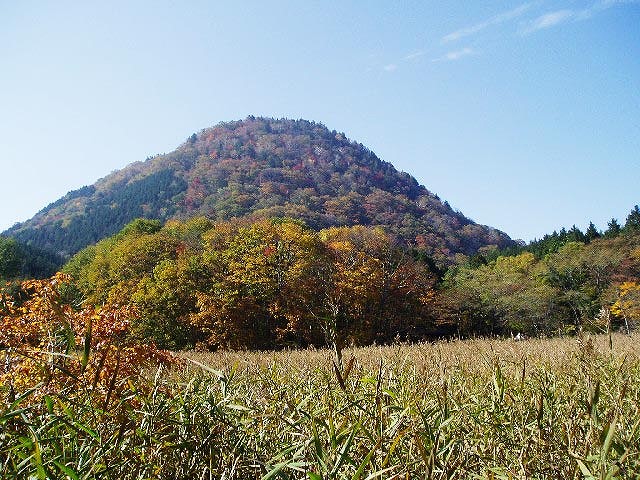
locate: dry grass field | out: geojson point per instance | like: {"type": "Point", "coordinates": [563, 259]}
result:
{"type": "Point", "coordinates": [562, 408]}
{"type": "Point", "coordinates": [541, 408]}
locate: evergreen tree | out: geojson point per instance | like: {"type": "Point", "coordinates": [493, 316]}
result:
{"type": "Point", "coordinates": [613, 229]}
{"type": "Point", "coordinates": [10, 258]}
{"type": "Point", "coordinates": [632, 225]}
{"type": "Point", "coordinates": [576, 235]}
{"type": "Point", "coordinates": [592, 232]}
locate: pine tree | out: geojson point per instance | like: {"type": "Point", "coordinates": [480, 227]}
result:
{"type": "Point", "coordinates": [592, 232]}
{"type": "Point", "coordinates": [575, 235]}
{"type": "Point", "coordinates": [613, 229]}
{"type": "Point", "coordinates": [632, 225]}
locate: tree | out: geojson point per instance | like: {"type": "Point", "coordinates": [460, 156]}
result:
{"type": "Point", "coordinates": [613, 229]}
{"type": "Point", "coordinates": [260, 275]}
{"type": "Point", "coordinates": [10, 258]}
{"type": "Point", "coordinates": [627, 304]}
{"type": "Point", "coordinates": [582, 274]}
{"type": "Point", "coordinates": [592, 232]}
{"type": "Point", "coordinates": [632, 225]}
{"type": "Point", "coordinates": [371, 290]}
{"type": "Point", "coordinates": [576, 235]}
{"type": "Point", "coordinates": [508, 294]}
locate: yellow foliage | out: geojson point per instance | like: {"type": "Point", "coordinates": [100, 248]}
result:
{"type": "Point", "coordinates": [627, 304]}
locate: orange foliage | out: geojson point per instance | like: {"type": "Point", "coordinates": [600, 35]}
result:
{"type": "Point", "coordinates": [50, 347]}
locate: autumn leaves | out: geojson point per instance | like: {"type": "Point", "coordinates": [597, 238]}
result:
{"type": "Point", "coordinates": [266, 284]}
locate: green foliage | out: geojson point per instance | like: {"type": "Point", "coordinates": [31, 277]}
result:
{"type": "Point", "coordinates": [563, 291]}
{"type": "Point", "coordinates": [19, 261]}
{"type": "Point", "coordinates": [10, 258]}
{"type": "Point", "coordinates": [508, 294]}
{"type": "Point", "coordinates": [91, 214]}
{"type": "Point", "coordinates": [632, 225]}
{"type": "Point", "coordinates": [592, 232]}
{"type": "Point", "coordinates": [613, 229]}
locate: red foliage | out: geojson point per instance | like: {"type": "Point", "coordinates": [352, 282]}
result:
{"type": "Point", "coordinates": [50, 347]}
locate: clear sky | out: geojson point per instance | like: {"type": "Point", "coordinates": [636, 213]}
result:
{"type": "Point", "coordinates": [524, 116]}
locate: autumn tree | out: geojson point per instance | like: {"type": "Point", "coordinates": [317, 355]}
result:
{"type": "Point", "coordinates": [50, 347]}
{"type": "Point", "coordinates": [259, 274]}
{"type": "Point", "coordinates": [627, 304]}
{"type": "Point", "coordinates": [372, 290]}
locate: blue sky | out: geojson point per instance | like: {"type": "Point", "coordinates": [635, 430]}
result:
{"type": "Point", "coordinates": [523, 115]}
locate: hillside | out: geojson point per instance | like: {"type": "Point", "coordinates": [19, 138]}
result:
{"type": "Point", "coordinates": [260, 168]}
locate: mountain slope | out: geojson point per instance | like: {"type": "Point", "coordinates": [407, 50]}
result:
{"type": "Point", "coordinates": [261, 167]}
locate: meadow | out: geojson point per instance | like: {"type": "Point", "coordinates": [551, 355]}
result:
{"type": "Point", "coordinates": [485, 408]}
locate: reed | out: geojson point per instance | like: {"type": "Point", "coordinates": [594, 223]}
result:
{"type": "Point", "coordinates": [542, 408]}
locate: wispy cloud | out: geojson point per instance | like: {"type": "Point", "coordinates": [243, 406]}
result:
{"type": "Point", "coordinates": [414, 55]}
{"type": "Point", "coordinates": [550, 19]}
{"type": "Point", "coordinates": [601, 6]}
{"type": "Point", "coordinates": [455, 55]}
{"type": "Point", "coordinates": [612, 3]}
{"type": "Point", "coordinates": [528, 22]}
{"type": "Point", "coordinates": [559, 17]}
{"type": "Point", "coordinates": [495, 20]}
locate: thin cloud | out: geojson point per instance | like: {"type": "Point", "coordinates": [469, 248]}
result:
{"type": "Point", "coordinates": [414, 55]}
{"type": "Point", "coordinates": [613, 3]}
{"type": "Point", "coordinates": [455, 55]}
{"type": "Point", "coordinates": [390, 67]}
{"type": "Point", "coordinates": [549, 20]}
{"type": "Point", "coordinates": [495, 20]}
{"type": "Point", "coordinates": [560, 17]}
{"type": "Point", "coordinates": [601, 6]}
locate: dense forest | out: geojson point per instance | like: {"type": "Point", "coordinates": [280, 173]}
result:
{"type": "Point", "coordinates": [270, 233]}
{"type": "Point", "coordinates": [262, 284]}
{"type": "Point", "coordinates": [18, 260]}
{"type": "Point", "coordinates": [261, 168]}
{"type": "Point", "coordinates": [277, 283]}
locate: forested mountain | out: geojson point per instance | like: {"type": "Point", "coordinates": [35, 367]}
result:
{"type": "Point", "coordinates": [261, 168]}
{"type": "Point", "coordinates": [25, 261]}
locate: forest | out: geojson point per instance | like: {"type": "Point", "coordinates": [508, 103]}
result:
{"type": "Point", "coordinates": [276, 283]}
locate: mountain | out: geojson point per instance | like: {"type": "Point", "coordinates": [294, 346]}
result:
{"type": "Point", "coordinates": [261, 167]}
{"type": "Point", "coordinates": [25, 261]}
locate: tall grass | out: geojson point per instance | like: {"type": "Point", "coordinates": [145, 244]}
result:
{"type": "Point", "coordinates": [555, 408]}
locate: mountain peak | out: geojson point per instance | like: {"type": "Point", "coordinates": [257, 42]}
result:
{"type": "Point", "coordinates": [261, 167]}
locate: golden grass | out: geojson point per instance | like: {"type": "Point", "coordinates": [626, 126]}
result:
{"type": "Point", "coordinates": [489, 408]}
{"type": "Point", "coordinates": [472, 357]}
{"type": "Point", "coordinates": [559, 408]}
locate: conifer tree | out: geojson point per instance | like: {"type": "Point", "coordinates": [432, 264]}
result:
{"type": "Point", "coordinates": [632, 225]}
{"type": "Point", "coordinates": [592, 232]}
{"type": "Point", "coordinates": [613, 229]}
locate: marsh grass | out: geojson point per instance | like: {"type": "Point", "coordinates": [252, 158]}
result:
{"type": "Point", "coordinates": [541, 408]}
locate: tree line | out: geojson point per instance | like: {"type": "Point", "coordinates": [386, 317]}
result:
{"type": "Point", "coordinates": [264, 284]}
{"type": "Point", "coordinates": [277, 283]}
{"type": "Point", "coordinates": [565, 282]}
